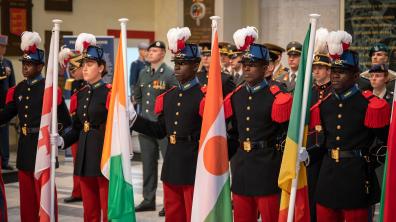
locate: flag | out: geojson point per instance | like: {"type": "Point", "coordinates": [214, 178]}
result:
{"type": "Point", "coordinates": [42, 170]}
{"type": "Point", "coordinates": [388, 198]}
{"type": "Point", "coordinates": [211, 200]}
{"type": "Point", "coordinates": [115, 163]}
{"type": "Point", "coordinates": [290, 155]}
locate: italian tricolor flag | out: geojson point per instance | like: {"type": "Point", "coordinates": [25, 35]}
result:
{"type": "Point", "coordinates": [115, 162]}
{"type": "Point", "coordinates": [290, 156]}
{"type": "Point", "coordinates": [388, 197]}
{"type": "Point", "coordinates": [212, 201]}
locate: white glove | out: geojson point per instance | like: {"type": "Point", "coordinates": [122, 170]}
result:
{"type": "Point", "coordinates": [57, 140]}
{"type": "Point", "coordinates": [303, 156]}
{"type": "Point", "coordinates": [131, 112]}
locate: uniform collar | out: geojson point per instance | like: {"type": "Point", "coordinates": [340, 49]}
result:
{"type": "Point", "coordinates": [189, 84]}
{"type": "Point", "coordinates": [254, 89]}
{"type": "Point", "coordinates": [324, 86]}
{"type": "Point", "coordinates": [348, 93]}
{"type": "Point", "coordinates": [160, 69]}
{"type": "Point", "coordinates": [380, 94]}
{"type": "Point", "coordinates": [97, 84]}
{"type": "Point", "coordinates": [35, 80]}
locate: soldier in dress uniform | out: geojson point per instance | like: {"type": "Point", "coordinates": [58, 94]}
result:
{"type": "Point", "coordinates": [89, 122]}
{"type": "Point", "coordinates": [350, 120]}
{"type": "Point", "coordinates": [259, 114]}
{"type": "Point", "coordinates": [70, 60]}
{"type": "Point", "coordinates": [276, 57]}
{"type": "Point", "coordinates": [203, 69]}
{"type": "Point", "coordinates": [379, 55]}
{"type": "Point", "coordinates": [293, 50]}
{"type": "Point", "coordinates": [7, 80]}
{"type": "Point", "coordinates": [26, 100]}
{"type": "Point", "coordinates": [237, 69]}
{"type": "Point", "coordinates": [180, 118]}
{"type": "Point", "coordinates": [155, 79]}
{"type": "Point", "coordinates": [224, 58]}
{"type": "Point", "coordinates": [321, 88]}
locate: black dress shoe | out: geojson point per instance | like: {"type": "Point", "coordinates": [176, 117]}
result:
{"type": "Point", "coordinates": [72, 199]}
{"type": "Point", "coordinates": [161, 213]}
{"type": "Point", "coordinates": [8, 167]}
{"type": "Point", "coordinates": [145, 206]}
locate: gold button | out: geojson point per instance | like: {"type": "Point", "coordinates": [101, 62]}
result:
{"type": "Point", "coordinates": [175, 122]}
{"type": "Point", "coordinates": [26, 107]}
{"type": "Point", "coordinates": [25, 115]}
{"type": "Point", "coordinates": [24, 124]}
{"type": "Point", "coordinates": [180, 94]}
{"type": "Point", "coordinates": [146, 110]}
{"type": "Point", "coordinates": [178, 104]}
{"type": "Point", "coordinates": [340, 105]}
{"type": "Point", "coordinates": [148, 94]}
{"type": "Point", "coordinates": [339, 116]}
{"type": "Point", "coordinates": [338, 138]}
{"type": "Point", "coordinates": [149, 86]}
{"type": "Point", "coordinates": [248, 107]}
{"type": "Point", "coordinates": [177, 113]}
{"type": "Point", "coordinates": [320, 97]}
{"type": "Point", "coordinates": [84, 114]}
{"type": "Point", "coordinates": [247, 129]}
{"type": "Point", "coordinates": [247, 118]}
{"type": "Point", "coordinates": [250, 98]}
{"type": "Point", "coordinates": [85, 106]}
{"type": "Point", "coordinates": [89, 91]}
{"type": "Point", "coordinates": [174, 132]}
{"type": "Point", "coordinates": [338, 127]}
{"type": "Point", "coordinates": [27, 97]}
{"type": "Point", "coordinates": [248, 139]}
{"type": "Point", "coordinates": [87, 99]}
{"type": "Point", "coordinates": [147, 102]}
{"type": "Point", "coordinates": [28, 89]}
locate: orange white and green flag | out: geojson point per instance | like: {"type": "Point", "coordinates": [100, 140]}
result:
{"type": "Point", "coordinates": [212, 195]}
{"type": "Point", "coordinates": [290, 155]}
{"type": "Point", "coordinates": [115, 164]}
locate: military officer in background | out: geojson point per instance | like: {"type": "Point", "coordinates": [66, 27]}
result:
{"type": "Point", "coordinates": [236, 65]}
{"type": "Point", "coordinates": [350, 120]}
{"type": "Point", "coordinates": [25, 100]}
{"type": "Point", "coordinates": [203, 69]}
{"type": "Point", "coordinates": [154, 79]}
{"type": "Point", "coordinates": [7, 80]}
{"type": "Point", "coordinates": [379, 55]}
{"type": "Point", "coordinates": [180, 119]}
{"type": "Point", "coordinates": [224, 58]}
{"type": "Point", "coordinates": [275, 60]}
{"type": "Point", "coordinates": [293, 50]}
{"type": "Point", "coordinates": [259, 115]}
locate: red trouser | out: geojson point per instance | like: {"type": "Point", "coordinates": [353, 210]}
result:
{"type": "Point", "coordinates": [247, 207]}
{"type": "Point", "coordinates": [3, 202]}
{"type": "Point", "coordinates": [178, 202]}
{"type": "Point", "coordinates": [325, 214]}
{"type": "Point", "coordinates": [29, 196]}
{"type": "Point", "coordinates": [76, 179]}
{"type": "Point", "coordinates": [94, 196]}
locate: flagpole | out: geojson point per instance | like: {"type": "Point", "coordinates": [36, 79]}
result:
{"type": "Point", "coordinates": [313, 21]}
{"type": "Point", "coordinates": [215, 23]}
{"type": "Point", "coordinates": [54, 121]}
{"type": "Point", "coordinates": [123, 38]}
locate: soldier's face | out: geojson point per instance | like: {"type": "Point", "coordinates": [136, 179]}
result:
{"type": "Point", "coordinates": [236, 63]}
{"type": "Point", "coordinates": [143, 53]}
{"type": "Point", "coordinates": [253, 73]}
{"type": "Point", "coordinates": [225, 60]}
{"type": "Point", "coordinates": [205, 59]}
{"type": "Point", "coordinates": [185, 70]}
{"type": "Point", "coordinates": [342, 80]}
{"type": "Point", "coordinates": [379, 58]}
{"type": "Point", "coordinates": [3, 49]}
{"type": "Point", "coordinates": [31, 69]}
{"type": "Point", "coordinates": [293, 60]}
{"type": "Point", "coordinates": [378, 80]}
{"type": "Point", "coordinates": [155, 55]}
{"type": "Point", "coordinates": [270, 69]}
{"type": "Point", "coordinates": [77, 74]}
{"type": "Point", "coordinates": [321, 74]}
{"type": "Point", "coordinates": [92, 71]}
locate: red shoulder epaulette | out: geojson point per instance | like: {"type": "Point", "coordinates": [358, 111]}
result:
{"type": "Point", "coordinates": [314, 116]}
{"type": "Point", "coordinates": [108, 96]}
{"type": "Point", "coordinates": [227, 103]}
{"type": "Point", "coordinates": [378, 111]}
{"type": "Point", "coordinates": [159, 101]}
{"type": "Point", "coordinates": [10, 95]}
{"type": "Point", "coordinates": [281, 107]}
